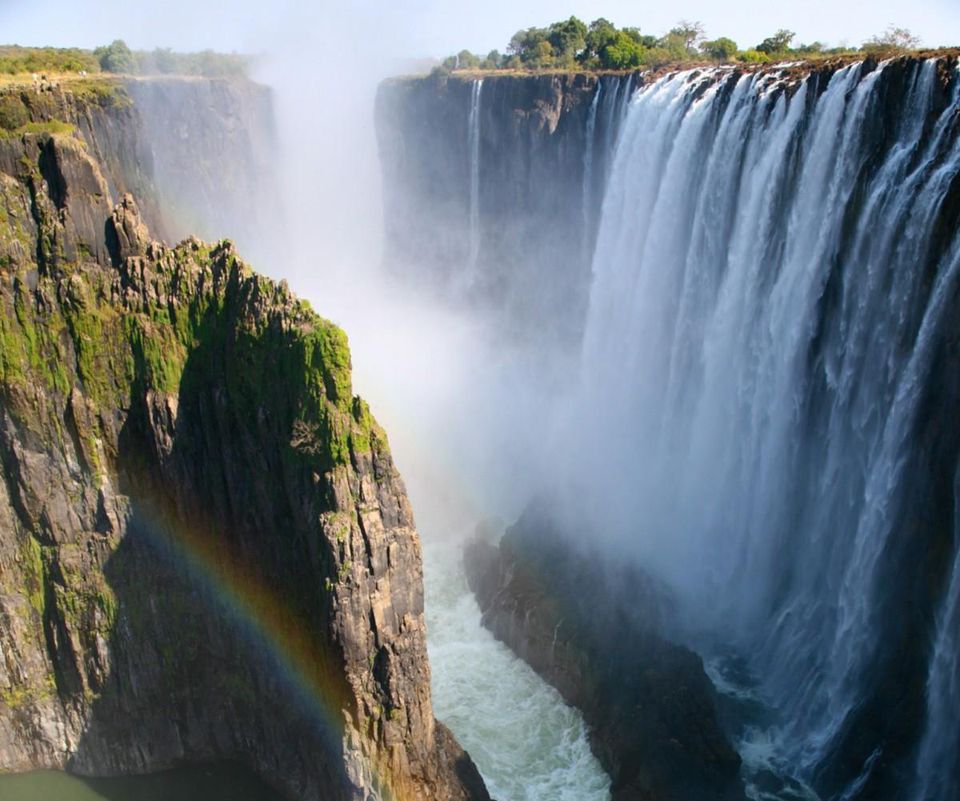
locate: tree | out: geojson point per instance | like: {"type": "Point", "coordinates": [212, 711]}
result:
{"type": "Point", "coordinates": [164, 60]}
{"type": "Point", "coordinates": [467, 60]}
{"type": "Point", "coordinates": [567, 38]}
{"type": "Point", "coordinates": [526, 44]}
{"type": "Point", "coordinates": [778, 43]}
{"type": "Point", "coordinates": [543, 54]}
{"type": "Point", "coordinates": [116, 57]}
{"type": "Point", "coordinates": [814, 48]}
{"type": "Point", "coordinates": [600, 35]}
{"type": "Point", "coordinates": [722, 49]}
{"type": "Point", "coordinates": [675, 45]}
{"type": "Point", "coordinates": [892, 40]}
{"type": "Point", "coordinates": [690, 33]}
{"type": "Point", "coordinates": [623, 53]}
{"type": "Point", "coordinates": [493, 61]}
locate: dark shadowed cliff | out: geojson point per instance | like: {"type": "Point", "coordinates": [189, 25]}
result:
{"type": "Point", "coordinates": [540, 173]}
{"type": "Point", "coordinates": [595, 632]}
{"type": "Point", "coordinates": [206, 551]}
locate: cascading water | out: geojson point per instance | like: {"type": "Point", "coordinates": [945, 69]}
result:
{"type": "Point", "coordinates": [473, 145]}
{"type": "Point", "coordinates": [937, 774]}
{"type": "Point", "coordinates": [776, 281]}
{"type": "Point", "coordinates": [588, 148]}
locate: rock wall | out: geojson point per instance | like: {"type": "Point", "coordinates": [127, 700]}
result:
{"type": "Point", "coordinates": [593, 631]}
{"type": "Point", "coordinates": [213, 148]}
{"type": "Point", "coordinates": [538, 191]}
{"type": "Point", "coordinates": [206, 551]}
{"type": "Point", "coordinates": [193, 151]}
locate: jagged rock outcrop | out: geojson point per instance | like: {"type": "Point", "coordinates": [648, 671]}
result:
{"type": "Point", "coordinates": [592, 630]}
{"type": "Point", "coordinates": [206, 551]}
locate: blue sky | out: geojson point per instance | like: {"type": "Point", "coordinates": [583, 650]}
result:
{"type": "Point", "coordinates": [438, 27]}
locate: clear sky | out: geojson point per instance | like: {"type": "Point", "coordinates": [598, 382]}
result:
{"type": "Point", "coordinates": [413, 28]}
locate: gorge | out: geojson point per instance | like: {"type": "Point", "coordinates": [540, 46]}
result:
{"type": "Point", "coordinates": [771, 303]}
{"type": "Point", "coordinates": [669, 364]}
{"type": "Point", "coordinates": [208, 554]}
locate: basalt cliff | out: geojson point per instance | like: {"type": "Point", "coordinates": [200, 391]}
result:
{"type": "Point", "coordinates": [650, 708]}
{"type": "Point", "coordinates": [755, 271]}
{"type": "Point", "coordinates": [524, 195]}
{"type": "Point", "coordinates": [206, 551]}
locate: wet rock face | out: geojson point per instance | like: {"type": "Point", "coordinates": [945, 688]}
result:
{"type": "Point", "coordinates": [592, 631]}
{"type": "Point", "coordinates": [213, 150]}
{"type": "Point", "coordinates": [193, 151]}
{"type": "Point", "coordinates": [206, 551]}
{"type": "Point", "coordinates": [532, 265]}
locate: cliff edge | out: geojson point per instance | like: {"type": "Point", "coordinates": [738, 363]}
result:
{"type": "Point", "coordinates": [206, 551]}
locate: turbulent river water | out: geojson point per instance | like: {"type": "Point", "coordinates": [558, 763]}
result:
{"type": "Point", "coordinates": [528, 745]}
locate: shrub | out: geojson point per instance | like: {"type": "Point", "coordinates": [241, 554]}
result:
{"type": "Point", "coordinates": [13, 114]}
{"type": "Point", "coordinates": [116, 57]}
{"type": "Point", "coordinates": [753, 57]}
{"type": "Point", "coordinates": [721, 49]}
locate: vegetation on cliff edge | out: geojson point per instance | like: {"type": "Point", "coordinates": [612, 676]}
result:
{"type": "Point", "coordinates": [117, 58]}
{"type": "Point", "coordinates": [573, 45]}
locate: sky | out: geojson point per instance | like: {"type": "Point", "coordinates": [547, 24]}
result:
{"type": "Point", "coordinates": [423, 28]}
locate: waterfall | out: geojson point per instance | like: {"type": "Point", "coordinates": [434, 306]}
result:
{"type": "Point", "coordinates": [588, 147]}
{"type": "Point", "coordinates": [776, 280]}
{"type": "Point", "coordinates": [940, 749]}
{"type": "Point", "coordinates": [473, 145]}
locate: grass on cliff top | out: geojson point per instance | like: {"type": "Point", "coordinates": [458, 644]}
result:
{"type": "Point", "coordinates": [48, 127]}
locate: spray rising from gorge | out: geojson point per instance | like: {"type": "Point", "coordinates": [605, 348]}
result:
{"type": "Point", "coordinates": [687, 340]}
{"type": "Point", "coordinates": [776, 280]}
{"type": "Point", "coordinates": [763, 416]}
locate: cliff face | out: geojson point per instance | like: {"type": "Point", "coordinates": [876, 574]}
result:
{"type": "Point", "coordinates": [194, 151]}
{"type": "Point", "coordinates": [543, 149]}
{"type": "Point", "coordinates": [205, 548]}
{"type": "Point", "coordinates": [650, 708]}
{"type": "Point", "coordinates": [212, 145]}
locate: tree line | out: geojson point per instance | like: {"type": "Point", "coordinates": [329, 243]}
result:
{"type": "Point", "coordinates": [118, 59]}
{"type": "Point", "coordinates": [573, 45]}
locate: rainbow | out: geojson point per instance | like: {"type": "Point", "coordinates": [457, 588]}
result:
{"type": "Point", "coordinates": [275, 631]}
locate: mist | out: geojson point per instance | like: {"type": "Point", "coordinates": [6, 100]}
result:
{"type": "Point", "coordinates": [684, 413]}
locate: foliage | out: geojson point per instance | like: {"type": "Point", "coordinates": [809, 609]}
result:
{"type": "Point", "coordinates": [116, 57]}
{"type": "Point", "coordinates": [15, 60]}
{"type": "Point", "coordinates": [722, 49]}
{"type": "Point", "coordinates": [776, 44]}
{"type": "Point", "coordinates": [573, 45]}
{"type": "Point", "coordinates": [13, 113]}
{"type": "Point", "coordinates": [689, 33]}
{"type": "Point", "coordinates": [753, 57]}
{"type": "Point", "coordinates": [892, 40]}
{"type": "Point", "coordinates": [601, 45]}
{"type": "Point", "coordinates": [567, 39]}
{"type": "Point", "coordinates": [164, 61]}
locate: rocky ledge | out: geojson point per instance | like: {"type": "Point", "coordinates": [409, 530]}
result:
{"type": "Point", "coordinates": [649, 706]}
{"type": "Point", "coordinates": [206, 551]}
